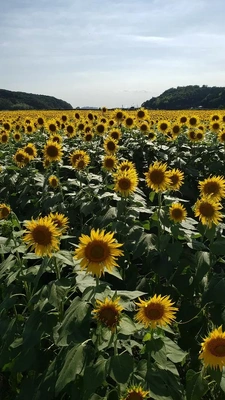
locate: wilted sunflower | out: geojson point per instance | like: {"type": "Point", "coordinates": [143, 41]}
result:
{"type": "Point", "coordinates": [109, 163]}
{"type": "Point", "coordinates": [213, 187]}
{"type": "Point", "coordinates": [110, 145]}
{"type": "Point", "coordinates": [31, 150]}
{"type": "Point", "coordinates": [157, 177]}
{"type": "Point", "coordinates": [177, 212]}
{"type": "Point", "coordinates": [213, 349]}
{"type": "Point", "coordinates": [98, 251]}
{"type": "Point", "coordinates": [135, 393]}
{"type": "Point", "coordinates": [207, 209]}
{"type": "Point", "coordinates": [176, 179]}
{"type": "Point", "coordinates": [21, 158]}
{"type": "Point", "coordinates": [108, 312]}
{"type": "Point", "coordinates": [158, 310]}
{"type": "Point", "coordinates": [42, 236]}
{"type": "Point", "coordinates": [4, 211]}
{"type": "Point", "coordinates": [60, 221]}
{"type": "Point", "coordinates": [53, 181]}
{"type": "Point", "coordinates": [52, 151]}
{"type": "Point", "coordinates": [78, 154]}
{"type": "Point", "coordinates": [126, 182]}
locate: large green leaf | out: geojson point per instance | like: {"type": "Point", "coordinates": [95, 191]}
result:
{"type": "Point", "coordinates": [120, 367]}
{"type": "Point", "coordinates": [196, 385]}
{"type": "Point", "coordinates": [173, 351]}
{"type": "Point", "coordinates": [94, 376]}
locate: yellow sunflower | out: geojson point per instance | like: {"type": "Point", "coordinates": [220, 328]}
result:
{"type": "Point", "coordinates": [207, 209]}
{"type": "Point", "coordinates": [82, 163]}
{"type": "Point", "coordinates": [70, 131]}
{"type": "Point", "coordinates": [4, 211]}
{"type": "Point", "coordinates": [135, 393]}
{"type": "Point", "coordinates": [88, 136]}
{"type": "Point", "coordinates": [129, 122]}
{"type": "Point", "coordinates": [157, 177]}
{"type": "Point", "coordinates": [144, 127]}
{"type": "Point", "coordinates": [221, 137]}
{"type": "Point", "coordinates": [213, 349]}
{"type": "Point", "coordinates": [193, 121]}
{"type": "Point", "coordinates": [79, 154]}
{"type": "Point", "coordinates": [158, 310]}
{"type": "Point", "coordinates": [21, 158]}
{"type": "Point", "coordinates": [60, 221]}
{"type": "Point", "coordinates": [192, 135]}
{"type": "Point", "coordinates": [31, 150]}
{"type": "Point", "coordinates": [213, 187]}
{"type": "Point", "coordinates": [100, 129]}
{"type": "Point", "coordinates": [108, 312]}
{"type": "Point", "coordinates": [4, 138]}
{"type": "Point", "coordinates": [98, 251]}
{"type": "Point", "coordinates": [53, 181]}
{"type": "Point", "coordinates": [214, 126]}
{"type": "Point", "coordinates": [177, 212]}
{"type": "Point", "coordinates": [152, 135]}
{"type": "Point", "coordinates": [141, 113]}
{"type": "Point", "coordinates": [109, 163]}
{"type": "Point", "coordinates": [52, 126]}
{"type": "Point", "coordinates": [176, 179]}
{"type": "Point", "coordinates": [115, 134]}
{"type": "Point", "coordinates": [126, 182]}
{"type": "Point", "coordinates": [52, 151]}
{"type": "Point", "coordinates": [17, 136]}
{"type": "Point", "coordinates": [126, 165]}
{"type": "Point", "coordinates": [175, 129]}
{"type": "Point", "coordinates": [40, 121]}
{"type": "Point", "coordinates": [183, 119]}
{"type": "Point", "coordinates": [163, 126]}
{"type": "Point", "coordinates": [118, 115]}
{"type": "Point", "coordinates": [110, 145]}
{"type": "Point", "coordinates": [42, 236]}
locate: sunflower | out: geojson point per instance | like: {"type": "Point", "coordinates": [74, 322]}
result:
{"type": "Point", "coordinates": [126, 165]}
{"type": "Point", "coordinates": [163, 126]}
{"type": "Point", "coordinates": [158, 310]}
{"type": "Point", "coordinates": [98, 251]}
{"type": "Point", "coordinates": [31, 150]}
{"type": "Point", "coordinates": [118, 115]}
{"type": "Point", "coordinates": [183, 119]}
{"type": "Point", "coordinates": [7, 126]}
{"type": "Point", "coordinates": [152, 135]}
{"type": "Point", "coordinates": [82, 163]}
{"type": "Point", "coordinates": [17, 136]}
{"type": "Point", "coordinates": [192, 135]}
{"type": "Point", "coordinates": [176, 179]}
{"type": "Point", "coordinates": [213, 349]}
{"type": "Point", "coordinates": [115, 134]}
{"type": "Point", "coordinates": [108, 312]}
{"type": "Point", "coordinates": [157, 177]}
{"type": "Point", "coordinates": [213, 187]}
{"type": "Point", "coordinates": [100, 129]}
{"type": "Point", "coordinates": [88, 136]}
{"type": "Point", "coordinates": [109, 162]}
{"type": "Point", "coordinates": [193, 121]}
{"type": "Point", "coordinates": [80, 126]}
{"type": "Point", "coordinates": [4, 138]}
{"type": "Point", "coordinates": [60, 221]}
{"type": "Point", "coordinates": [70, 131]}
{"type": "Point", "coordinates": [52, 126]}
{"type": "Point", "coordinates": [79, 155]}
{"type": "Point", "coordinates": [52, 151]}
{"type": "Point", "coordinates": [215, 126]}
{"type": "Point", "coordinates": [135, 393]}
{"type": "Point", "coordinates": [21, 158]}
{"type": "Point", "coordinates": [207, 209]}
{"type": "Point", "coordinates": [144, 127]}
{"type": "Point", "coordinates": [126, 182]}
{"type": "Point", "coordinates": [42, 236]}
{"type": "Point", "coordinates": [4, 211]}
{"type": "Point", "coordinates": [110, 146]}
{"type": "Point", "coordinates": [40, 121]}
{"type": "Point", "coordinates": [53, 181]}
{"type": "Point", "coordinates": [141, 113]}
{"type": "Point", "coordinates": [129, 122]}
{"type": "Point", "coordinates": [199, 136]}
{"type": "Point", "coordinates": [221, 137]}
{"type": "Point", "coordinates": [56, 138]}
{"type": "Point", "coordinates": [64, 118]}
{"type": "Point", "coordinates": [30, 129]}
{"type": "Point", "coordinates": [177, 212]}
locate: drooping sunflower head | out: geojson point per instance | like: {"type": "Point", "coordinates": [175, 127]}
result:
{"type": "Point", "coordinates": [157, 177]}
{"type": "Point", "coordinates": [213, 349]}
{"type": "Point", "coordinates": [60, 221]}
{"type": "Point", "coordinates": [207, 209]}
{"type": "Point", "coordinates": [42, 236]}
{"type": "Point", "coordinates": [213, 187]}
{"type": "Point", "coordinates": [98, 251]}
{"type": "Point", "coordinates": [126, 182]}
{"type": "Point", "coordinates": [4, 211]}
{"type": "Point", "coordinates": [158, 310]}
{"type": "Point", "coordinates": [108, 312]}
{"type": "Point", "coordinates": [109, 162]}
{"type": "Point", "coordinates": [110, 146]}
{"type": "Point", "coordinates": [136, 393]}
{"type": "Point", "coordinates": [53, 181]}
{"type": "Point", "coordinates": [177, 212]}
{"type": "Point", "coordinates": [53, 151]}
{"type": "Point", "coordinates": [176, 179]}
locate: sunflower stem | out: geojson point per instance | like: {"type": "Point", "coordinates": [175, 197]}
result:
{"type": "Point", "coordinates": [159, 222]}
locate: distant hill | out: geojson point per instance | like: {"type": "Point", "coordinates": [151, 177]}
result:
{"type": "Point", "coordinates": [186, 97]}
{"type": "Point", "coordinates": [10, 100]}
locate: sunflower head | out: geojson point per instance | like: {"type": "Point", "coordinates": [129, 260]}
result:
{"type": "Point", "coordinates": [4, 138]}
{"type": "Point", "coordinates": [53, 181]}
{"type": "Point", "coordinates": [4, 211]}
{"type": "Point", "coordinates": [98, 251]}
{"type": "Point", "coordinates": [213, 349]}
{"type": "Point", "coordinates": [115, 134]}
{"type": "Point", "coordinates": [177, 212]}
{"type": "Point", "coordinates": [21, 158]}
{"type": "Point", "coordinates": [157, 177]}
{"type": "Point", "coordinates": [158, 310]}
{"type": "Point", "coordinates": [176, 179]}
{"type": "Point", "coordinates": [207, 209]}
{"type": "Point", "coordinates": [52, 151]}
{"type": "Point", "coordinates": [110, 146]}
{"type": "Point", "coordinates": [108, 312]}
{"type": "Point", "coordinates": [213, 187]}
{"type": "Point", "coordinates": [126, 182]}
{"type": "Point", "coordinates": [60, 221]}
{"type": "Point", "coordinates": [135, 393]}
{"type": "Point", "coordinates": [109, 162]}
{"type": "Point", "coordinates": [31, 150]}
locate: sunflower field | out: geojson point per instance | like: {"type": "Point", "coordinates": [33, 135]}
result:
{"type": "Point", "coordinates": [112, 246]}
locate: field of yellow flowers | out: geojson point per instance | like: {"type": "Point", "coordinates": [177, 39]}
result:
{"type": "Point", "coordinates": [112, 274]}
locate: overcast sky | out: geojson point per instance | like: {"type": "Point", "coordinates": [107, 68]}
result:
{"type": "Point", "coordinates": [112, 52]}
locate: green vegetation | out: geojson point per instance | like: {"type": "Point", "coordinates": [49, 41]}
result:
{"type": "Point", "coordinates": [186, 97]}
{"type": "Point", "coordinates": [27, 101]}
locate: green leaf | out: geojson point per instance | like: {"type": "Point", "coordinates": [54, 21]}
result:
{"type": "Point", "coordinates": [173, 351]}
{"type": "Point", "coordinates": [94, 376]}
{"type": "Point", "coordinates": [218, 247]}
{"type": "Point", "coordinates": [120, 367]}
{"type": "Point", "coordinates": [196, 385]}
{"type": "Point", "coordinates": [203, 264]}
{"type": "Point", "coordinates": [215, 291]}
{"type": "Point", "coordinates": [127, 326]}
